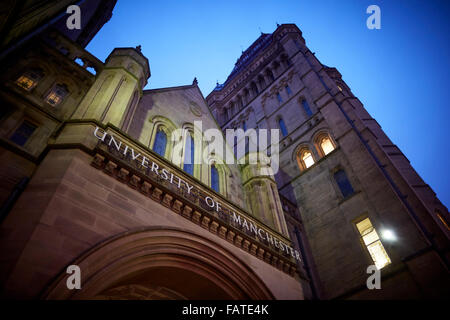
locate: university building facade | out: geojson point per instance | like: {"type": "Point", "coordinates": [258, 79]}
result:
{"type": "Point", "coordinates": [100, 173]}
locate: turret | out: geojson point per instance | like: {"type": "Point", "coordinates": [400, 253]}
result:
{"type": "Point", "coordinates": [116, 89]}
{"type": "Point", "coordinates": [262, 193]}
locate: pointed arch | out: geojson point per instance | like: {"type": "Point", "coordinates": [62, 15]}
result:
{"type": "Point", "coordinates": [162, 124]}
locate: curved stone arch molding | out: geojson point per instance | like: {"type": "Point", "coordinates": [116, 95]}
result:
{"type": "Point", "coordinates": [141, 249]}
{"type": "Point", "coordinates": [168, 127]}
{"type": "Point", "coordinates": [224, 172]}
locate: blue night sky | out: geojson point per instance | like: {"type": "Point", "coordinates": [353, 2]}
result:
{"type": "Point", "coordinates": [400, 73]}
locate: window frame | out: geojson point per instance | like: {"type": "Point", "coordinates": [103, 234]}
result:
{"type": "Point", "coordinates": [363, 244]}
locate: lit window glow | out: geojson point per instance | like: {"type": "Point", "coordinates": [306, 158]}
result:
{"type": "Point", "coordinates": [56, 95]}
{"type": "Point", "coordinates": [373, 243]}
{"type": "Point", "coordinates": [326, 145]}
{"type": "Point", "coordinates": [307, 159]}
{"type": "Point", "coordinates": [29, 79]}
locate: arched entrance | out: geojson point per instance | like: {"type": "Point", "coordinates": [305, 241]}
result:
{"type": "Point", "coordinates": [161, 263]}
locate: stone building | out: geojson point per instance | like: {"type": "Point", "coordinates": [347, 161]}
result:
{"type": "Point", "coordinates": [99, 173]}
{"type": "Point", "coordinates": [360, 201]}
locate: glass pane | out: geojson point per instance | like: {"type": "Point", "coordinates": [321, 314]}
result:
{"type": "Point", "coordinates": [282, 127]}
{"type": "Point", "coordinates": [307, 108]}
{"type": "Point", "coordinates": [370, 237]}
{"type": "Point", "coordinates": [23, 133]}
{"type": "Point", "coordinates": [189, 155]}
{"type": "Point", "coordinates": [160, 143]}
{"type": "Point", "coordinates": [308, 159]}
{"type": "Point", "coordinates": [363, 226]}
{"type": "Point", "coordinates": [25, 82]}
{"type": "Point", "coordinates": [343, 183]}
{"type": "Point", "coordinates": [378, 254]}
{"type": "Point", "coordinates": [326, 146]}
{"type": "Point", "coordinates": [214, 178]}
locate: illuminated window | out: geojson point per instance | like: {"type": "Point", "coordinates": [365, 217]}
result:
{"type": "Point", "coordinates": [305, 159]}
{"type": "Point", "coordinates": [439, 215]}
{"type": "Point", "coordinates": [326, 145]}
{"type": "Point", "coordinates": [214, 178]}
{"type": "Point", "coordinates": [339, 87]}
{"type": "Point", "coordinates": [23, 133]}
{"type": "Point", "coordinates": [29, 79]}
{"type": "Point", "coordinates": [188, 165]}
{"type": "Point", "coordinates": [343, 183]}
{"type": "Point", "coordinates": [373, 243]}
{"type": "Point", "coordinates": [159, 146]}
{"type": "Point", "coordinates": [56, 95]}
{"type": "Point", "coordinates": [308, 159]}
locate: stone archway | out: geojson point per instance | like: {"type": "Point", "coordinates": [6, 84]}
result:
{"type": "Point", "coordinates": [161, 263]}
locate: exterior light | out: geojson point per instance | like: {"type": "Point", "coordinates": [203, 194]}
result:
{"type": "Point", "coordinates": [388, 235]}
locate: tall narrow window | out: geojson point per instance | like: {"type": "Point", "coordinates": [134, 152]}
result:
{"type": "Point", "coordinates": [188, 165]}
{"type": "Point", "coordinates": [56, 95]}
{"type": "Point", "coordinates": [282, 126]}
{"type": "Point", "coordinates": [326, 145]}
{"type": "Point", "coordinates": [244, 125]}
{"type": "Point", "coordinates": [29, 79]}
{"type": "Point", "coordinates": [23, 133]}
{"type": "Point", "coordinates": [306, 108]}
{"type": "Point", "coordinates": [288, 90]}
{"type": "Point", "coordinates": [280, 100]}
{"type": "Point", "coordinates": [159, 146]}
{"type": "Point", "coordinates": [214, 178]}
{"type": "Point", "coordinates": [343, 183]}
{"type": "Point", "coordinates": [373, 243]}
{"type": "Point", "coordinates": [307, 159]}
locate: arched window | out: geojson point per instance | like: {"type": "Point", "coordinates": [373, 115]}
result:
{"type": "Point", "coordinates": [307, 159]}
{"type": "Point", "coordinates": [215, 178]}
{"type": "Point", "coordinates": [306, 108]}
{"type": "Point", "coordinates": [344, 185]}
{"type": "Point", "coordinates": [189, 150]}
{"type": "Point", "coordinates": [326, 145]}
{"type": "Point", "coordinates": [282, 126]}
{"type": "Point", "coordinates": [160, 143]}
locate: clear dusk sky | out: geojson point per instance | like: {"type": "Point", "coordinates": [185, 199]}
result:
{"type": "Point", "coordinates": [400, 73]}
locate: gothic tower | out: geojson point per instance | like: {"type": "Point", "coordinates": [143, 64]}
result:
{"type": "Point", "coordinates": [359, 200]}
